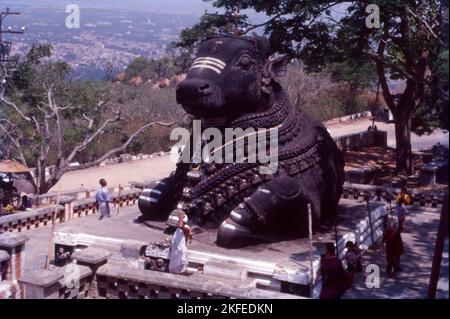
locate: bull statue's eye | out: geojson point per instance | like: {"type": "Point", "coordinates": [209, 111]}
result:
{"type": "Point", "coordinates": [245, 62]}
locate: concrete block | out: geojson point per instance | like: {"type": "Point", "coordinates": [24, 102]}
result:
{"type": "Point", "coordinates": [363, 175]}
{"type": "Point", "coordinates": [42, 283]}
{"type": "Point", "coordinates": [434, 172]}
{"type": "Point", "coordinates": [92, 257]}
{"type": "Point", "coordinates": [9, 241]}
{"type": "Point", "coordinates": [224, 270]}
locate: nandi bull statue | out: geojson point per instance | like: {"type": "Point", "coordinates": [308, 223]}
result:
{"type": "Point", "coordinates": [234, 84]}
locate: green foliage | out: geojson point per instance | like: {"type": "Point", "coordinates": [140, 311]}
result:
{"type": "Point", "coordinates": [137, 67]}
{"type": "Point", "coordinates": [333, 34]}
{"type": "Point", "coordinates": [209, 24]}
{"type": "Point", "coordinates": [433, 111]}
{"type": "Point", "coordinates": [358, 76]}
{"type": "Point", "coordinates": [166, 67]}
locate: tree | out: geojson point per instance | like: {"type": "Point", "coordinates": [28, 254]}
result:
{"type": "Point", "coordinates": [402, 46]}
{"type": "Point", "coordinates": [49, 121]}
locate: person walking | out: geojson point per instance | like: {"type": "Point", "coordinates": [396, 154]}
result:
{"type": "Point", "coordinates": [178, 250]}
{"type": "Point", "coordinates": [353, 262]}
{"type": "Point", "coordinates": [394, 249]}
{"type": "Point", "coordinates": [402, 211]}
{"type": "Point", "coordinates": [103, 199]}
{"type": "Point", "coordinates": [334, 277]}
{"type": "Point", "coordinates": [404, 196]}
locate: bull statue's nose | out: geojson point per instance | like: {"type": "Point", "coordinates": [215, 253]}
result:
{"type": "Point", "coordinates": [204, 89]}
{"type": "Point", "coordinates": [189, 91]}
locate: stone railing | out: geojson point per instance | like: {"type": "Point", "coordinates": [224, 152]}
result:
{"type": "Point", "coordinates": [115, 282]}
{"type": "Point", "coordinates": [69, 208]}
{"type": "Point", "coordinates": [418, 197]}
{"type": "Point", "coordinates": [75, 280]}
{"type": "Point", "coordinates": [347, 118]}
{"type": "Point", "coordinates": [40, 217]}
{"type": "Point", "coordinates": [74, 194]}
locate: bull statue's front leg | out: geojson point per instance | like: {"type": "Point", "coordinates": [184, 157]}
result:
{"type": "Point", "coordinates": [260, 213]}
{"type": "Point", "coordinates": [157, 200]}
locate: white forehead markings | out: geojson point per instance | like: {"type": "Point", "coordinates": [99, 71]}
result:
{"type": "Point", "coordinates": [210, 59]}
{"type": "Point", "coordinates": [214, 64]}
{"type": "Point", "coordinates": [210, 62]}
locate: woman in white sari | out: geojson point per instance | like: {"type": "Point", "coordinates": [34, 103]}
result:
{"type": "Point", "coordinates": [178, 251]}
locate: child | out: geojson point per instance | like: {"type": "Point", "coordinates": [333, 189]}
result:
{"type": "Point", "coordinates": [402, 211]}
{"type": "Point", "coordinates": [352, 259]}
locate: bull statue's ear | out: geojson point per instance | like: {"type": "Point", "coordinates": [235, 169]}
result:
{"type": "Point", "coordinates": [277, 67]}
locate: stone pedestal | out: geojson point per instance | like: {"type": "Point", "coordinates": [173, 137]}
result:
{"type": "Point", "coordinates": [42, 284]}
{"type": "Point", "coordinates": [14, 245]}
{"type": "Point", "coordinates": [92, 257]}
{"type": "Point", "coordinates": [434, 172]}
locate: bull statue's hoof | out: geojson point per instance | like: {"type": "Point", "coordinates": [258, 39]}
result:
{"type": "Point", "coordinates": [233, 235]}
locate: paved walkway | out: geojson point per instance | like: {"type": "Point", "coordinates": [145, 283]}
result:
{"type": "Point", "coordinates": [412, 283]}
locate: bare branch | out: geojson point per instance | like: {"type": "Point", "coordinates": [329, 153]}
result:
{"type": "Point", "coordinates": [120, 148]}
{"type": "Point", "coordinates": [14, 141]}
{"type": "Point", "coordinates": [13, 105]}
{"type": "Point", "coordinates": [423, 21]}
{"type": "Point", "coordinates": [90, 121]}
{"type": "Point", "coordinates": [255, 26]}
{"type": "Point", "coordinates": [81, 147]}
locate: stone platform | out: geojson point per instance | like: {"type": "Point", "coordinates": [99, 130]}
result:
{"type": "Point", "coordinates": [112, 256]}
{"type": "Point", "coordinates": [282, 265]}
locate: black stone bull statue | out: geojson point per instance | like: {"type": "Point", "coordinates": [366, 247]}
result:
{"type": "Point", "coordinates": [234, 84]}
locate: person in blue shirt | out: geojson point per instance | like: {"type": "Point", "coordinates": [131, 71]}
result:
{"type": "Point", "coordinates": [103, 199]}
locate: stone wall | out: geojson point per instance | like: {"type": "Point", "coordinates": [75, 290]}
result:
{"type": "Point", "coordinates": [360, 140]}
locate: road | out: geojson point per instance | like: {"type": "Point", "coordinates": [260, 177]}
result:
{"type": "Point", "coordinates": [159, 167]}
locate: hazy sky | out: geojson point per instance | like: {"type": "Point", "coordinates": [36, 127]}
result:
{"type": "Point", "coordinates": [165, 6]}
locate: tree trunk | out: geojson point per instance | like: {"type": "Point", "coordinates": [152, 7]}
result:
{"type": "Point", "coordinates": [404, 162]}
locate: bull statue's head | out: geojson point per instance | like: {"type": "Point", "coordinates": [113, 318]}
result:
{"type": "Point", "coordinates": [231, 75]}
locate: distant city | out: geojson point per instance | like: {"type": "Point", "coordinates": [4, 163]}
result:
{"type": "Point", "coordinates": [111, 32]}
